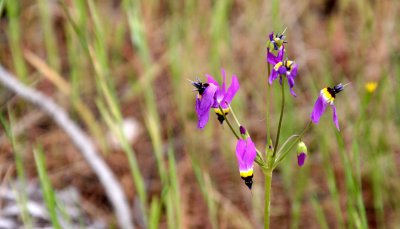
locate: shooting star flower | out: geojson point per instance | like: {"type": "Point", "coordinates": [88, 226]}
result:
{"type": "Point", "coordinates": [325, 98]}
{"type": "Point", "coordinates": [276, 41]}
{"type": "Point", "coordinates": [280, 68]}
{"type": "Point", "coordinates": [222, 96]}
{"type": "Point", "coordinates": [204, 101]}
{"type": "Point", "coordinates": [246, 154]}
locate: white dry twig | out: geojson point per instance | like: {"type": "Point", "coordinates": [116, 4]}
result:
{"type": "Point", "coordinates": [110, 184]}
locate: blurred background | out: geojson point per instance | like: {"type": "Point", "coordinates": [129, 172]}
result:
{"type": "Point", "coordinates": [121, 70]}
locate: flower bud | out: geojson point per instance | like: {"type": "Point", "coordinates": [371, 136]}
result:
{"type": "Point", "coordinates": [301, 153]}
{"type": "Point", "coordinates": [242, 130]}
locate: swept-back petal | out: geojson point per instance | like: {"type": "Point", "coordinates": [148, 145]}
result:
{"type": "Point", "coordinates": [273, 76]}
{"type": "Point", "coordinates": [223, 87]}
{"type": "Point", "coordinates": [240, 153]}
{"type": "Point", "coordinates": [219, 95]}
{"type": "Point", "coordinates": [251, 153]}
{"type": "Point", "coordinates": [233, 88]}
{"type": "Point", "coordinates": [293, 72]}
{"type": "Point", "coordinates": [204, 104]}
{"type": "Point", "coordinates": [319, 108]}
{"type": "Point", "coordinates": [203, 119]}
{"type": "Point", "coordinates": [334, 117]}
{"type": "Point", "coordinates": [291, 85]}
{"type": "Point", "coordinates": [210, 79]}
{"type": "Point", "coordinates": [271, 36]}
{"type": "Point", "coordinates": [198, 104]}
{"type": "Point", "coordinates": [281, 53]}
{"type": "Point", "coordinates": [207, 98]}
{"type": "Point", "coordinates": [272, 59]}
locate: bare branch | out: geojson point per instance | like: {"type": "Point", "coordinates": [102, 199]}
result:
{"type": "Point", "coordinates": [107, 178]}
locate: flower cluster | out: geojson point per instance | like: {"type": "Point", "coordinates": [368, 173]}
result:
{"type": "Point", "coordinates": [214, 96]}
{"type": "Point", "coordinates": [280, 67]}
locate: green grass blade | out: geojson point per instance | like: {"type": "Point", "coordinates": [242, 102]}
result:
{"type": "Point", "coordinates": [174, 190]}
{"type": "Point", "coordinates": [319, 213]}
{"type": "Point", "coordinates": [14, 31]}
{"type": "Point", "coordinates": [155, 213]}
{"type": "Point", "coordinates": [47, 189]}
{"type": "Point", "coordinates": [48, 34]}
{"type": "Point", "coordinates": [19, 164]}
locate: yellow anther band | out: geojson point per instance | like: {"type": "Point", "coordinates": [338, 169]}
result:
{"type": "Point", "coordinates": [277, 66]}
{"type": "Point", "coordinates": [218, 111]}
{"type": "Point", "coordinates": [247, 173]}
{"type": "Point", "coordinates": [327, 96]}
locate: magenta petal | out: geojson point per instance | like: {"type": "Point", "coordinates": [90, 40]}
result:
{"type": "Point", "coordinates": [271, 36]}
{"type": "Point", "coordinates": [204, 105]}
{"type": "Point", "coordinates": [291, 85]}
{"type": "Point", "coordinates": [223, 81]}
{"type": "Point", "coordinates": [246, 154]}
{"type": "Point", "coordinates": [271, 58]}
{"type": "Point", "coordinates": [335, 118]}
{"type": "Point", "coordinates": [318, 110]}
{"type": "Point", "coordinates": [293, 72]}
{"type": "Point", "coordinates": [207, 98]}
{"type": "Point", "coordinates": [211, 79]}
{"type": "Point", "coordinates": [231, 91]}
{"type": "Point", "coordinates": [301, 158]}
{"type": "Point", "coordinates": [240, 152]}
{"type": "Point", "coordinates": [198, 104]}
{"type": "Point", "coordinates": [282, 70]}
{"type": "Point", "coordinates": [281, 53]}
{"type": "Point", "coordinates": [273, 76]}
{"type": "Point", "coordinates": [203, 119]}
{"type": "Point", "coordinates": [202, 114]}
{"type": "Point", "coordinates": [219, 95]}
{"type": "Point", "coordinates": [251, 153]}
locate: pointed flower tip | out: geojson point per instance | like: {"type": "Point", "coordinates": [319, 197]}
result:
{"type": "Point", "coordinates": [249, 184]}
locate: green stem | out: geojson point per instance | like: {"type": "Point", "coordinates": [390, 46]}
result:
{"type": "Point", "coordinates": [282, 156]}
{"type": "Point", "coordinates": [227, 122]}
{"type": "Point", "coordinates": [234, 116]}
{"type": "Point", "coordinates": [268, 180]}
{"type": "Point", "coordinates": [280, 120]}
{"type": "Point", "coordinates": [278, 154]}
{"type": "Point", "coordinates": [268, 103]}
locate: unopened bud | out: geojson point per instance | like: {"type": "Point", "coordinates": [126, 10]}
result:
{"type": "Point", "coordinates": [301, 153]}
{"type": "Point", "coordinates": [242, 130]}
